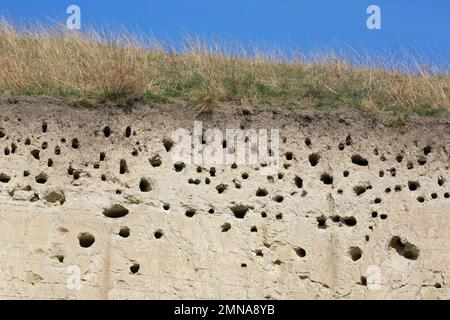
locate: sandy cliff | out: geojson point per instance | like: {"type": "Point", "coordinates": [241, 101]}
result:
{"type": "Point", "coordinates": [355, 209]}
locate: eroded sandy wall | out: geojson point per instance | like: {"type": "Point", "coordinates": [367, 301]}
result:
{"type": "Point", "coordinates": [356, 209]}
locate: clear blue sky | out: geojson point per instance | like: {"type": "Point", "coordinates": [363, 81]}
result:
{"type": "Point", "coordinates": [303, 24]}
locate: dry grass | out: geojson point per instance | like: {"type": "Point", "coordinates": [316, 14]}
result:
{"type": "Point", "coordinates": [100, 66]}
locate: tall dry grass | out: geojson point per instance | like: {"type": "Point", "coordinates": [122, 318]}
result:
{"type": "Point", "coordinates": [103, 66]}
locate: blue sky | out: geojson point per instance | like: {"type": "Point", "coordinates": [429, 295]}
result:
{"type": "Point", "coordinates": [286, 23]}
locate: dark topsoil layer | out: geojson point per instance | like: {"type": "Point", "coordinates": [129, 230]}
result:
{"type": "Point", "coordinates": [231, 116]}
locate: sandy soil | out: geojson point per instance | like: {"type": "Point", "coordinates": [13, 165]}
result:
{"type": "Point", "coordinates": [92, 205]}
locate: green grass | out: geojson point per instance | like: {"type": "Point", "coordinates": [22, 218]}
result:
{"type": "Point", "coordinates": [88, 68]}
{"type": "Point", "coordinates": [151, 97]}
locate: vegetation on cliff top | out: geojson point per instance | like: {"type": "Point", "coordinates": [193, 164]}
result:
{"type": "Point", "coordinates": [93, 67]}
